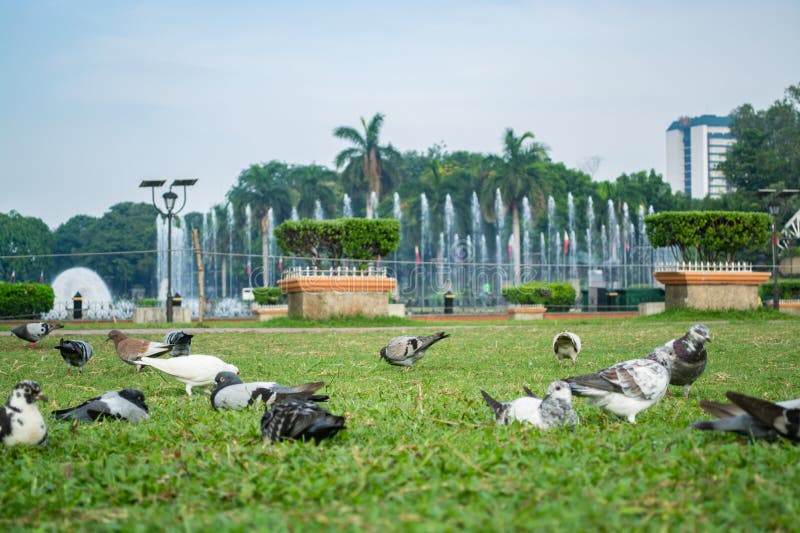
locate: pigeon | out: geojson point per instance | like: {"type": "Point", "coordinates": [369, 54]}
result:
{"type": "Point", "coordinates": [627, 388]}
{"type": "Point", "coordinates": [35, 331]}
{"type": "Point", "coordinates": [194, 370]}
{"type": "Point", "coordinates": [231, 393]}
{"type": "Point", "coordinates": [688, 356]}
{"type": "Point", "coordinates": [293, 418]}
{"type": "Point", "coordinates": [130, 350]}
{"type": "Point", "coordinates": [407, 349]}
{"type": "Point", "coordinates": [566, 345]}
{"type": "Point", "coordinates": [181, 342]}
{"type": "Point", "coordinates": [731, 417]}
{"type": "Point", "coordinates": [554, 410]}
{"type": "Point", "coordinates": [127, 404]}
{"type": "Point", "coordinates": [784, 420]}
{"type": "Point", "coordinates": [20, 419]}
{"type": "Point", "coordinates": [75, 353]}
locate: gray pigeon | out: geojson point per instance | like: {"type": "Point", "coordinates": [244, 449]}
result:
{"type": "Point", "coordinates": [20, 419]}
{"type": "Point", "coordinates": [35, 331]}
{"type": "Point", "coordinates": [566, 345]}
{"type": "Point", "coordinates": [297, 419]}
{"type": "Point", "coordinates": [784, 420]}
{"type": "Point", "coordinates": [554, 410]}
{"type": "Point", "coordinates": [181, 342]}
{"type": "Point", "coordinates": [127, 404]}
{"type": "Point", "coordinates": [731, 417]}
{"type": "Point", "coordinates": [627, 388]}
{"type": "Point", "coordinates": [231, 393]}
{"type": "Point", "coordinates": [406, 350]}
{"type": "Point", "coordinates": [688, 356]}
{"type": "Point", "coordinates": [75, 353]}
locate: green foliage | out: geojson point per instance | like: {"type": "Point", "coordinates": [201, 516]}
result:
{"type": "Point", "coordinates": [708, 235]}
{"type": "Point", "coordinates": [421, 451]}
{"type": "Point", "coordinates": [149, 302]}
{"type": "Point", "coordinates": [24, 236]}
{"type": "Point", "coordinates": [552, 295]}
{"type": "Point", "coordinates": [353, 238]}
{"type": "Point", "coordinates": [268, 295]}
{"type": "Point", "coordinates": [788, 289]}
{"type": "Point", "coordinates": [24, 300]}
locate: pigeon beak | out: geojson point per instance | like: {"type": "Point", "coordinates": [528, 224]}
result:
{"type": "Point", "coordinates": [41, 397]}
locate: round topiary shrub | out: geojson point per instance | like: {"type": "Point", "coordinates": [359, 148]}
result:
{"type": "Point", "coordinates": [24, 300]}
{"type": "Point", "coordinates": [551, 295]}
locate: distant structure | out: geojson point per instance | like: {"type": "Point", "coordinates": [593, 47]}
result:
{"type": "Point", "coordinates": [695, 146]}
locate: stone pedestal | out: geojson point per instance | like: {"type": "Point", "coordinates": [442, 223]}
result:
{"type": "Point", "coordinates": [265, 313]}
{"type": "Point", "coordinates": [526, 313]}
{"type": "Point", "coordinates": [712, 290]}
{"type": "Point", "coordinates": [323, 297]}
{"type": "Point", "coordinates": [157, 315]}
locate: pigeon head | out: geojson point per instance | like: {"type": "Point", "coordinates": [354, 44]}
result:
{"type": "Point", "coordinates": [560, 390]}
{"type": "Point", "coordinates": [231, 368]}
{"type": "Point", "coordinates": [136, 397]}
{"type": "Point", "coordinates": [700, 332]}
{"type": "Point", "coordinates": [115, 335]}
{"type": "Point", "coordinates": [223, 379]}
{"type": "Point", "coordinates": [27, 390]}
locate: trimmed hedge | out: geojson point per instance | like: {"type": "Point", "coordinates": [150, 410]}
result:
{"type": "Point", "coordinates": [708, 235]}
{"type": "Point", "coordinates": [267, 295]}
{"type": "Point", "coordinates": [788, 289]}
{"type": "Point", "coordinates": [552, 295]}
{"type": "Point", "coordinates": [352, 238]}
{"type": "Point", "coordinates": [23, 300]}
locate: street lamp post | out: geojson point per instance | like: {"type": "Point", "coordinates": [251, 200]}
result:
{"type": "Point", "coordinates": [170, 198]}
{"type": "Point", "coordinates": [775, 203]}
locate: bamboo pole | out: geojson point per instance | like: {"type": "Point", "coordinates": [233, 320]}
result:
{"type": "Point", "coordinates": [200, 291]}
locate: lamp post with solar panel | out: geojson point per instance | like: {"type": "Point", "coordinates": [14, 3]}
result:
{"type": "Point", "coordinates": [170, 198]}
{"type": "Point", "coordinates": [775, 200]}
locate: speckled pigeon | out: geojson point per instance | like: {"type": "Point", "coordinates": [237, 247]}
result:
{"type": "Point", "coordinates": [293, 418]}
{"type": "Point", "coordinates": [407, 349]}
{"type": "Point", "coordinates": [75, 353]}
{"type": "Point", "coordinates": [627, 388]}
{"type": "Point", "coordinates": [231, 393]}
{"type": "Point", "coordinates": [687, 355]}
{"type": "Point", "coordinates": [20, 419]}
{"type": "Point", "coordinates": [554, 410]}
{"type": "Point", "coordinates": [181, 342]}
{"type": "Point", "coordinates": [33, 332]}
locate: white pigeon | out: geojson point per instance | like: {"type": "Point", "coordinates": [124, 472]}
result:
{"type": "Point", "coordinates": [566, 345]}
{"type": "Point", "coordinates": [194, 370]}
{"type": "Point", "coordinates": [731, 417]}
{"type": "Point", "coordinates": [627, 388]}
{"type": "Point", "coordinates": [554, 410]}
{"type": "Point", "coordinates": [408, 349]}
{"type": "Point", "coordinates": [20, 419]}
{"type": "Point", "coordinates": [127, 404]}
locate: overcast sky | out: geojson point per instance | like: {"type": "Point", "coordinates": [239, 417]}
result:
{"type": "Point", "coordinates": [97, 95]}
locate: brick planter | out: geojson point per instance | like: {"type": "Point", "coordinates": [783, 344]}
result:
{"type": "Point", "coordinates": [527, 312]}
{"type": "Point", "coordinates": [712, 290]}
{"type": "Point", "coordinates": [326, 296]}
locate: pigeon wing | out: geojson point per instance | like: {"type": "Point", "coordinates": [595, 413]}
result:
{"type": "Point", "coordinates": [784, 421]}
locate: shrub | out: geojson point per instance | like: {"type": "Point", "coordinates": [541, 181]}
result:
{"type": "Point", "coordinates": [708, 235]}
{"type": "Point", "coordinates": [18, 300]}
{"type": "Point", "coordinates": [552, 295]}
{"type": "Point", "coordinates": [267, 295]}
{"type": "Point", "coordinates": [148, 302]}
{"type": "Point", "coordinates": [353, 238]}
{"type": "Point", "coordinates": [788, 289]}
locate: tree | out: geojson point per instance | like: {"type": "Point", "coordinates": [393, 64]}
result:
{"type": "Point", "coordinates": [520, 174]}
{"type": "Point", "coordinates": [26, 237]}
{"type": "Point", "coordinates": [366, 162]}
{"type": "Point", "coordinates": [766, 153]}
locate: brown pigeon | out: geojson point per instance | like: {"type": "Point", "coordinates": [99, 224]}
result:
{"type": "Point", "coordinates": [131, 350]}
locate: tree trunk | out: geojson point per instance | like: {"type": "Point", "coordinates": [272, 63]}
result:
{"type": "Point", "coordinates": [516, 242]}
{"type": "Point", "coordinates": [265, 250]}
{"type": "Point", "coordinates": [201, 294]}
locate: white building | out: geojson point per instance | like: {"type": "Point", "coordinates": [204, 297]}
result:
{"type": "Point", "coordinates": [695, 146]}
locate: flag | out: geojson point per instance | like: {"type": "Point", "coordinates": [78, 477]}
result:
{"type": "Point", "coordinates": [280, 264]}
{"type": "Point", "coordinates": [510, 252]}
{"type": "Point", "coordinates": [249, 268]}
{"type": "Point", "coordinates": [379, 262]}
{"type": "Point", "coordinates": [13, 275]}
{"type": "Point", "coordinates": [566, 243]}
{"type": "Point", "coordinates": [41, 276]}
{"type": "Point", "coordinates": [416, 254]}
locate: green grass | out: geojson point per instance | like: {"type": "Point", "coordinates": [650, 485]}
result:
{"type": "Point", "coordinates": [421, 452]}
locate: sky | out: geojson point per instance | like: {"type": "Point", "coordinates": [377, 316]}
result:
{"type": "Point", "coordinates": [96, 96]}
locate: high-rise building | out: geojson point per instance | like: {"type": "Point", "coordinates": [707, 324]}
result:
{"type": "Point", "coordinates": [695, 146]}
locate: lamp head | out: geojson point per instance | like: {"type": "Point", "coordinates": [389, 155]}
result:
{"type": "Point", "coordinates": [169, 200]}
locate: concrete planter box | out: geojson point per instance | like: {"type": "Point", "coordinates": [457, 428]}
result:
{"type": "Point", "coordinates": [320, 297]}
{"type": "Point", "coordinates": [712, 290]}
{"type": "Point", "coordinates": [528, 312]}
{"type": "Point", "coordinates": [157, 315]}
{"type": "Point", "coordinates": [398, 310]}
{"type": "Point", "coordinates": [268, 312]}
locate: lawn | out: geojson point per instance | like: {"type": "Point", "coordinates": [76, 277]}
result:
{"type": "Point", "coordinates": [421, 452]}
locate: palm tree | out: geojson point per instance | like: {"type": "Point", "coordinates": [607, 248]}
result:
{"type": "Point", "coordinates": [520, 173]}
{"type": "Point", "coordinates": [366, 161]}
{"type": "Point", "coordinates": [264, 186]}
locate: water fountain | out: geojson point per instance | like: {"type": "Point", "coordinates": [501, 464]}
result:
{"type": "Point", "coordinates": [449, 222]}
{"type": "Point", "coordinates": [373, 204]}
{"type": "Point", "coordinates": [319, 214]}
{"type": "Point", "coordinates": [347, 207]}
{"type": "Point", "coordinates": [97, 303]}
